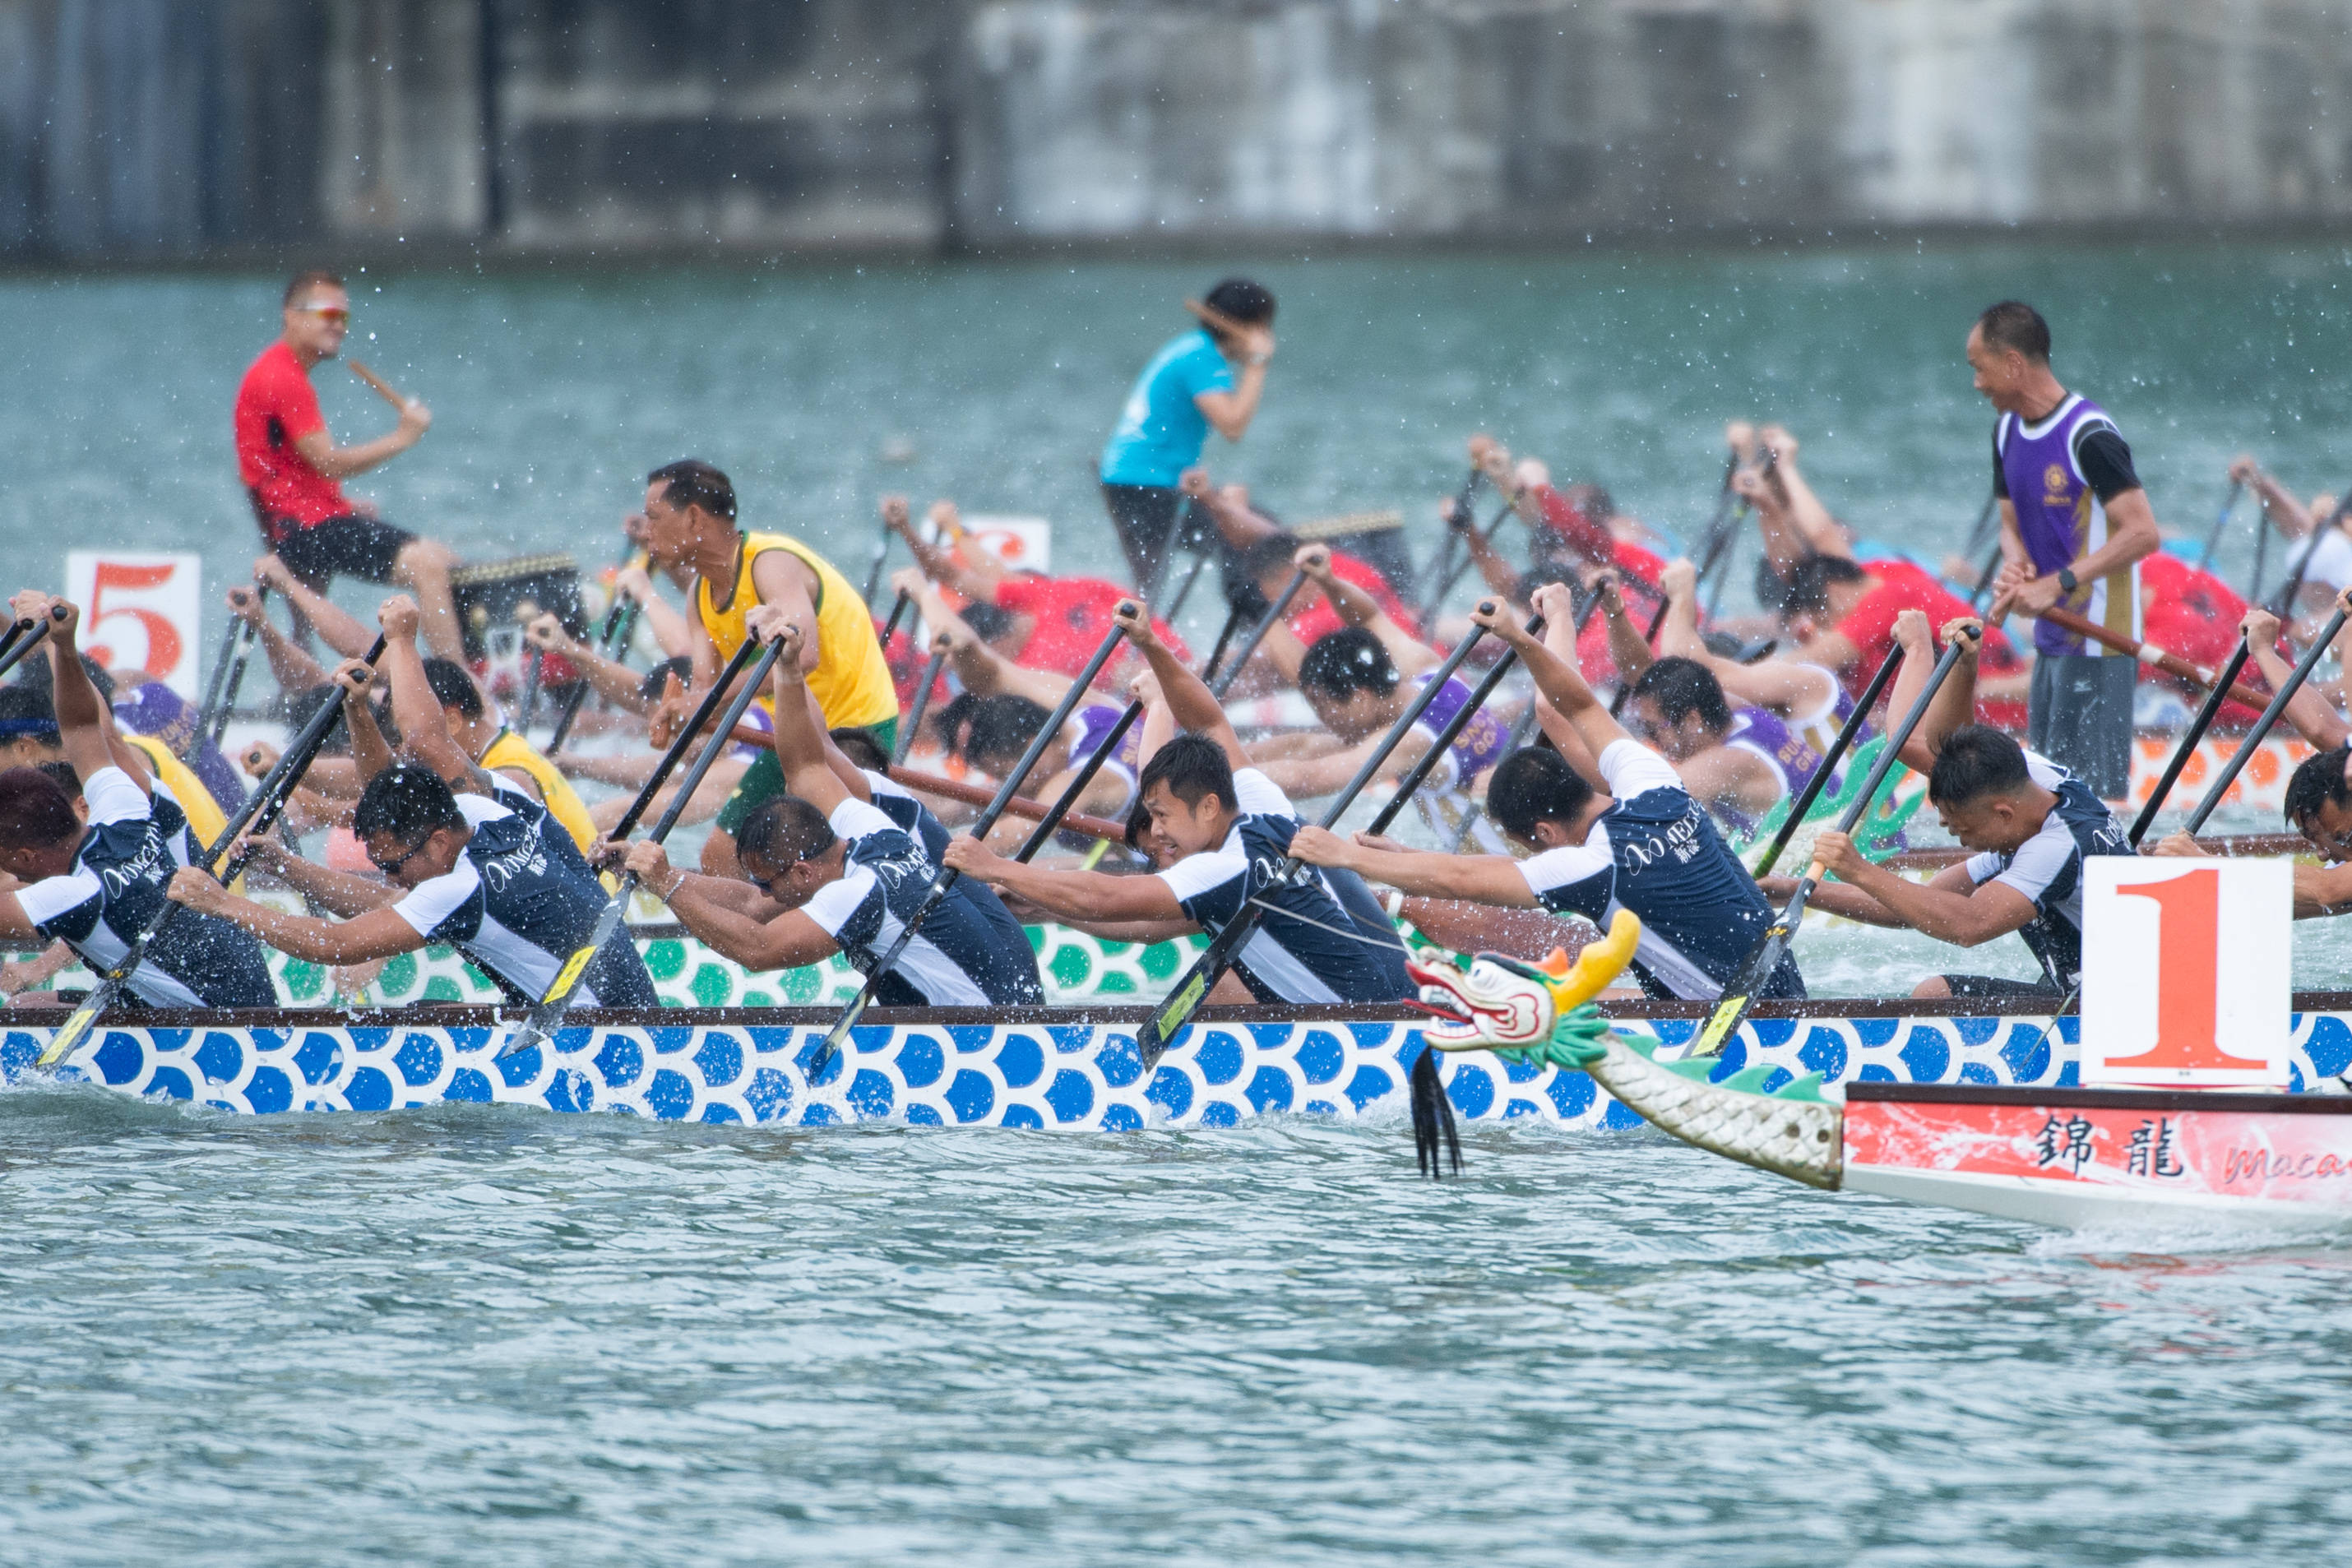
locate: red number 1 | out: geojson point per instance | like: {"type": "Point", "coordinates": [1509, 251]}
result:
{"type": "Point", "coordinates": [2188, 957]}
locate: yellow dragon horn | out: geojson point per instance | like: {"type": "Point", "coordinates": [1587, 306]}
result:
{"type": "Point", "coordinates": [1600, 962]}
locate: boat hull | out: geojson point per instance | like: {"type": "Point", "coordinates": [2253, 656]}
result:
{"type": "Point", "coordinates": [1048, 1067]}
{"type": "Point", "coordinates": [2124, 1158]}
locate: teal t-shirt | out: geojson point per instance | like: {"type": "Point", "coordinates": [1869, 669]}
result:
{"type": "Point", "coordinates": [1161, 430]}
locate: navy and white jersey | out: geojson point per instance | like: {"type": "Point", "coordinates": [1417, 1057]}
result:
{"type": "Point", "coordinates": [2048, 867]}
{"type": "Point", "coordinates": [520, 901]}
{"type": "Point", "coordinates": [116, 889]}
{"type": "Point", "coordinates": [1308, 947]}
{"type": "Point", "coordinates": [1654, 852]}
{"type": "Point", "coordinates": [959, 958]}
{"type": "Point", "coordinates": [914, 819]}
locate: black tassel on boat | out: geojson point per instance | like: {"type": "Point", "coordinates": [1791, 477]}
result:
{"type": "Point", "coordinates": [1433, 1119]}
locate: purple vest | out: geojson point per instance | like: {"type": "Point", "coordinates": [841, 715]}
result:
{"type": "Point", "coordinates": [1479, 745]}
{"type": "Point", "coordinates": [1762, 731]}
{"type": "Point", "coordinates": [1097, 720]}
{"type": "Point", "coordinates": [2060, 520]}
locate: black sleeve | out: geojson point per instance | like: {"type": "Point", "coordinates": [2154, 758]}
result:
{"type": "Point", "coordinates": [2106, 463]}
{"type": "Point", "coordinates": [2000, 479]}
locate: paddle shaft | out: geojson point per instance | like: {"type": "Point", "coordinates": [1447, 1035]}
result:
{"type": "Point", "coordinates": [668, 764]}
{"type": "Point", "coordinates": [2213, 537]}
{"type": "Point", "coordinates": [1061, 809]}
{"type": "Point", "coordinates": [1200, 562]}
{"type": "Point", "coordinates": [247, 636]}
{"type": "Point", "coordinates": [2195, 733]}
{"type": "Point", "coordinates": [378, 385]}
{"type": "Point", "coordinates": [898, 613]}
{"type": "Point", "coordinates": [1218, 687]}
{"type": "Point", "coordinates": [620, 622]}
{"type": "Point", "coordinates": [2147, 653]}
{"type": "Point", "coordinates": [1757, 969]}
{"type": "Point", "coordinates": [230, 635]}
{"type": "Point", "coordinates": [2254, 739]}
{"type": "Point", "coordinates": [1838, 748]}
{"type": "Point", "coordinates": [29, 636]}
{"type": "Point", "coordinates": [1427, 762]}
{"type": "Point", "coordinates": [1441, 562]}
{"type": "Point", "coordinates": [874, 572]}
{"type": "Point", "coordinates": [1469, 559]}
{"type": "Point", "coordinates": [257, 815]}
{"type": "Point", "coordinates": [923, 700]}
{"type": "Point", "coordinates": [946, 880]}
{"type": "Point", "coordinates": [1224, 640]}
{"type": "Point", "coordinates": [1153, 1036]}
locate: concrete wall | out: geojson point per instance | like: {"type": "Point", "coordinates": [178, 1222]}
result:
{"type": "Point", "coordinates": [144, 127]}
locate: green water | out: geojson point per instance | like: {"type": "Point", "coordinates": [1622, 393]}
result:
{"type": "Point", "coordinates": [477, 1335]}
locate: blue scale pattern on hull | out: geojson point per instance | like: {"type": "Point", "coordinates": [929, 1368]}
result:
{"type": "Point", "coordinates": [1069, 1077]}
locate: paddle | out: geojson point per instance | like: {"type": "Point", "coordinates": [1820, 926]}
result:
{"type": "Point", "coordinates": [620, 622]}
{"type": "Point", "coordinates": [1984, 531]}
{"type": "Point", "coordinates": [547, 1017]}
{"type": "Point", "coordinates": [2262, 557]}
{"type": "Point", "coordinates": [1258, 633]}
{"type": "Point", "coordinates": [1457, 518]}
{"type": "Point", "coordinates": [898, 613]}
{"type": "Point", "coordinates": [1427, 762]}
{"type": "Point", "coordinates": [874, 569]}
{"type": "Point", "coordinates": [26, 637]}
{"type": "Point", "coordinates": [2253, 740]}
{"type": "Point", "coordinates": [232, 634]}
{"type": "Point", "coordinates": [1019, 806]}
{"type": "Point", "coordinates": [1988, 578]}
{"type": "Point", "coordinates": [1152, 1038]}
{"type": "Point", "coordinates": [1061, 809]}
{"type": "Point", "coordinates": [1224, 640]}
{"type": "Point", "coordinates": [1838, 748]}
{"type": "Point", "coordinates": [1757, 969]}
{"type": "Point", "coordinates": [258, 815]}
{"type": "Point", "coordinates": [942, 884]}
{"type": "Point", "coordinates": [1723, 531]}
{"type": "Point", "coordinates": [1657, 624]}
{"type": "Point", "coordinates": [2146, 653]}
{"type": "Point", "coordinates": [218, 720]}
{"type": "Point", "coordinates": [940, 648]}
{"type": "Point", "coordinates": [2283, 605]}
{"type": "Point", "coordinates": [1176, 608]}
{"type": "Point", "coordinates": [377, 384]}
{"type": "Point", "coordinates": [1469, 559]}
{"type": "Point", "coordinates": [2214, 538]}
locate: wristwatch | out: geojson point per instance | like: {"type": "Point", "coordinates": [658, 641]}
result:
{"type": "Point", "coordinates": [2067, 581]}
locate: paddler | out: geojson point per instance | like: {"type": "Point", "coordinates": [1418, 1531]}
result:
{"type": "Point", "coordinates": [1611, 825]}
{"type": "Point", "coordinates": [293, 471]}
{"type": "Point", "coordinates": [101, 885]}
{"type": "Point", "coordinates": [1219, 830]}
{"type": "Point", "coordinates": [689, 514]}
{"type": "Point", "coordinates": [30, 737]}
{"type": "Point", "coordinates": [493, 744]}
{"type": "Point", "coordinates": [2030, 822]}
{"type": "Point", "coordinates": [826, 871]}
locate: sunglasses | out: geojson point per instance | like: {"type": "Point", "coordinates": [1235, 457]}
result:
{"type": "Point", "coordinates": [340, 315]}
{"type": "Point", "coordinates": [392, 868]}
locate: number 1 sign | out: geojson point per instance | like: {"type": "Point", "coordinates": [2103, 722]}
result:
{"type": "Point", "coordinates": [2186, 971]}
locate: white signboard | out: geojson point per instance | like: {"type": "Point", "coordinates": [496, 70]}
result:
{"type": "Point", "coordinates": [1021, 543]}
{"type": "Point", "coordinates": [139, 611]}
{"type": "Point", "coordinates": [2186, 971]}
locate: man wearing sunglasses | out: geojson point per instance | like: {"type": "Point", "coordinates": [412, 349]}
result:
{"type": "Point", "coordinates": [472, 861]}
{"type": "Point", "coordinates": [293, 471]}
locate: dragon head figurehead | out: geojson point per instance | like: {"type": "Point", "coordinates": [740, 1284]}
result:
{"type": "Point", "coordinates": [1496, 1002]}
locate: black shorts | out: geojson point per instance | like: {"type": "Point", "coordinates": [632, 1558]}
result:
{"type": "Point", "coordinates": [1147, 518]}
{"type": "Point", "coordinates": [1989, 988]}
{"type": "Point", "coordinates": [348, 546]}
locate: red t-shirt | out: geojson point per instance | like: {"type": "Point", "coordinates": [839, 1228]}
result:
{"type": "Point", "coordinates": [1593, 656]}
{"type": "Point", "coordinates": [1870, 627]}
{"type": "Point", "coordinates": [1072, 616]}
{"type": "Point", "coordinates": [1588, 537]}
{"type": "Point", "coordinates": [2194, 614]}
{"type": "Point", "coordinates": [275, 407]}
{"type": "Point", "coordinates": [1320, 619]}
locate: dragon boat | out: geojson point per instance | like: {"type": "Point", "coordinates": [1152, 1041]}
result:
{"type": "Point", "coordinates": [2031, 1146]}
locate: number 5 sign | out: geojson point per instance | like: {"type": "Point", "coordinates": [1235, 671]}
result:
{"type": "Point", "coordinates": [139, 611]}
{"type": "Point", "coordinates": [2186, 971]}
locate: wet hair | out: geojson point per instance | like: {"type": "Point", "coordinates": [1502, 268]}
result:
{"type": "Point", "coordinates": [1275, 551]}
{"type": "Point", "coordinates": [1679, 687]}
{"type": "Point", "coordinates": [1346, 662]}
{"type": "Point", "coordinates": [987, 621]}
{"type": "Point", "coordinates": [650, 688]}
{"type": "Point", "coordinates": [691, 482]}
{"type": "Point", "coordinates": [2315, 781]}
{"type": "Point", "coordinates": [317, 278]}
{"type": "Point", "coordinates": [946, 721]}
{"type": "Point", "coordinates": [1246, 302]}
{"type": "Point", "coordinates": [409, 802]}
{"type": "Point", "coordinates": [1533, 785]}
{"type": "Point", "coordinates": [63, 773]}
{"type": "Point", "coordinates": [783, 831]}
{"type": "Point", "coordinates": [1193, 768]}
{"type": "Point", "coordinates": [861, 748]}
{"type": "Point", "coordinates": [2013, 324]}
{"type": "Point", "coordinates": [26, 712]}
{"type": "Point", "coordinates": [1977, 760]}
{"type": "Point", "coordinates": [1809, 584]}
{"type": "Point", "coordinates": [453, 687]}
{"type": "Point", "coordinates": [34, 811]}
{"type": "Point", "coordinates": [299, 707]}
{"type": "Point", "coordinates": [1003, 725]}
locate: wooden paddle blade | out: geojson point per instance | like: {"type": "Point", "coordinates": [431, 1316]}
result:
{"type": "Point", "coordinates": [76, 1027]}
{"type": "Point", "coordinates": [1433, 1119]}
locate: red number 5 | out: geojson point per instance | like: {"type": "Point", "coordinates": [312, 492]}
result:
{"type": "Point", "coordinates": [163, 637]}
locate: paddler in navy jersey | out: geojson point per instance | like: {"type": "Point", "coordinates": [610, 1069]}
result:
{"type": "Point", "coordinates": [1219, 830]}
{"type": "Point", "coordinates": [2074, 524]}
{"type": "Point", "coordinates": [1639, 841]}
{"type": "Point", "coordinates": [2030, 822]}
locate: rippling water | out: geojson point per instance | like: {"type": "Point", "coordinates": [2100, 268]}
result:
{"type": "Point", "coordinates": [479, 1334]}
{"type": "Point", "coordinates": [483, 1336]}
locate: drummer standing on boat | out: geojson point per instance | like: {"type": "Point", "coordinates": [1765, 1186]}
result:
{"type": "Point", "coordinates": [1211, 376]}
{"type": "Point", "coordinates": [293, 470]}
{"type": "Point", "coordinates": [2074, 524]}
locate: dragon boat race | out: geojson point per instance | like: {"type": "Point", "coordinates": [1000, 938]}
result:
{"type": "Point", "coordinates": [1046, 782]}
